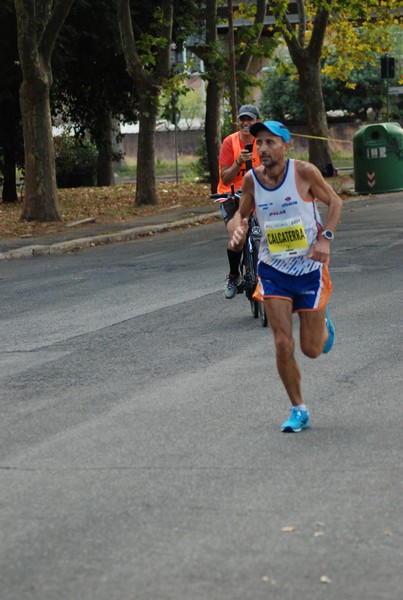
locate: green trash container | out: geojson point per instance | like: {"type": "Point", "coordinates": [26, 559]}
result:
{"type": "Point", "coordinates": [378, 158]}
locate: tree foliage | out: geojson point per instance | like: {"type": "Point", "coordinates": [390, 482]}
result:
{"type": "Point", "coordinates": [146, 32]}
{"type": "Point", "coordinates": [94, 83]}
{"type": "Point", "coordinates": [281, 97]}
{"type": "Point", "coordinates": [358, 33]}
{"type": "Point", "coordinates": [214, 49]}
{"type": "Point", "coordinates": [331, 20]}
{"type": "Point", "coordinates": [92, 89]}
{"type": "Point", "coordinates": [76, 161]}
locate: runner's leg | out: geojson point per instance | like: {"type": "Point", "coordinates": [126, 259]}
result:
{"type": "Point", "coordinates": [279, 314]}
{"type": "Point", "coordinates": [313, 332]}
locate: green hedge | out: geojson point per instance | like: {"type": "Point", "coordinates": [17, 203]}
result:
{"type": "Point", "coordinates": [76, 161]}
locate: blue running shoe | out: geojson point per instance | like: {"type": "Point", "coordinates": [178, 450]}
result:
{"type": "Point", "coordinates": [330, 329]}
{"type": "Point", "coordinates": [298, 420]}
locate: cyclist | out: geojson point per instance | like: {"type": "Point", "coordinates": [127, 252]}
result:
{"type": "Point", "coordinates": [294, 253]}
{"type": "Point", "coordinates": [233, 163]}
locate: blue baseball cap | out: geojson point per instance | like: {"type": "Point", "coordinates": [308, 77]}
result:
{"type": "Point", "coordinates": [274, 127]}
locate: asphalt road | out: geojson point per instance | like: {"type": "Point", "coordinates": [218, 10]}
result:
{"type": "Point", "coordinates": [140, 450]}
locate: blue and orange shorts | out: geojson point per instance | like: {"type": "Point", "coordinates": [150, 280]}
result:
{"type": "Point", "coordinates": [306, 292]}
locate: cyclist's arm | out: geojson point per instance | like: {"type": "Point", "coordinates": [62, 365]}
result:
{"type": "Point", "coordinates": [241, 217]}
{"type": "Point", "coordinates": [228, 163]}
{"type": "Point", "coordinates": [228, 174]}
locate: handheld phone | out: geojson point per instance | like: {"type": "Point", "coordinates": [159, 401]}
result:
{"type": "Point", "coordinates": [248, 163]}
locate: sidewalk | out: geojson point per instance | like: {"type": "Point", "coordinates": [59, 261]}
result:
{"type": "Point", "coordinates": [87, 235]}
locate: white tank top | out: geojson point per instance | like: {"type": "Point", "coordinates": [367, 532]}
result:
{"type": "Point", "coordinates": [290, 225]}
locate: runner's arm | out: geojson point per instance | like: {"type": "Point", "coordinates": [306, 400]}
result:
{"type": "Point", "coordinates": [317, 188]}
{"type": "Point", "coordinates": [241, 217]}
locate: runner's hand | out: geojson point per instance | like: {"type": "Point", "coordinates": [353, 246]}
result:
{"type": "Point", "coordinates": [238, 237]}
{"type": "Point", "coordinates": [320, 251]}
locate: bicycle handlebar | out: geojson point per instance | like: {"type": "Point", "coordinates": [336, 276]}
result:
{"type": "Point", "coordinates": [226, 196]}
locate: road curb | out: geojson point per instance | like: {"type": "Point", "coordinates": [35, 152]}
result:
{"type": "Point", "coordinates": [107, 238]}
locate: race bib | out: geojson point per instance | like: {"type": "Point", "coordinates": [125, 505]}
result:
{"type": "Point", "coordinates": [286, 238]}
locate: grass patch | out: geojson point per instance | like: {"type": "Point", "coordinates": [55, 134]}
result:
{"type": "Point", "coordinates": [187, 168]}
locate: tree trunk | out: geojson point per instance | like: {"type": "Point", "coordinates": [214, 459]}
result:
{"type": "Point", "coordinates": [105, 172]}
{"type": "Point", "coordinates": [103, 140]}
{"type": "Point", "coordinates": [38, 25]}
{"type": "Point", "coordinates": [249, 43]}
{"type": "Point", "coordinates": [307, 61]}
{"type": "Point", "coordinates": [310, 83]}
{"type": "Point", "coordinates": [146, 192]}
{"type": "Point", "coordinates": [215, 65]}
{"type": "Point", "coordinates": [149, 83]}
{"type": "Point", "coordinates": [212, 129]}
{"type": "Point", "coordinates": [40, 194]}
{"type": "Point", "coordinates": [9, 193]}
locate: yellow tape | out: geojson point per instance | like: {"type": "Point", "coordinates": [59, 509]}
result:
{"type": "Point", "coordinates": [316, 137]}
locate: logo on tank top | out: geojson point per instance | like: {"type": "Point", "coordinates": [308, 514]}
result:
{"type": "Point", "coordinates": [288, 202]}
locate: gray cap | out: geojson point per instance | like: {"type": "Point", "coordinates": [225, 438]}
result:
{"type": "Point", "coordinates": [248, 110]}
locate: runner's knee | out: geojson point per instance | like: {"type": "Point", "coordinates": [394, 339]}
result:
{"type": "Point", "coordinates": [310, 349]}
{"type": "Point", "coordinates": [285, 346]}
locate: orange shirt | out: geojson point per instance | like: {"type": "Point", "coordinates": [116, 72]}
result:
{"type": "Point", "coordinates": [230, 150]}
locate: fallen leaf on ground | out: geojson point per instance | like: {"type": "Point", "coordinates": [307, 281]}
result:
{"type": "Point", "coordinates": [113, 204]}
{"type": "Point", "coordinates": [268, 579]}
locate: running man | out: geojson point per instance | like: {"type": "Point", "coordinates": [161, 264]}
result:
{"type": "Point", "coordinates": [294, 253]}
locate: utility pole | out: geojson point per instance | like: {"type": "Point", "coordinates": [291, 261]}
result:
{"type": "Point", "coordinates": [233, 95]}
{"type": "Point", "coordinates": [387, 71]}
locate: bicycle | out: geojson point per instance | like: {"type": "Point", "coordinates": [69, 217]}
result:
{"type": "Point", "coordinates": [249, 260]}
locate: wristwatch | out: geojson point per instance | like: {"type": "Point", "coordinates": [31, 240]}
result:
{"type": "Point", "coordinates": [329, 235]}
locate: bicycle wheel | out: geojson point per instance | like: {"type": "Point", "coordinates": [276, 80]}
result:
{"type": "Point", "coordinates": [248, 274]}
{"type": "Point", "coordinates": [254, 306]}
{"type": "Point", "coordinates": [258, 309]}
{"type": "Point", "coordinates": [252, 262]}
{"type": "Point", "coordinates": [262, 315]}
